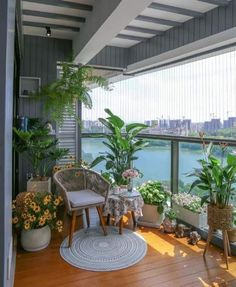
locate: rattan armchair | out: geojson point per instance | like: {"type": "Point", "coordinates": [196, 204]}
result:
{"type": "Point", "coordinates": [82, 189]}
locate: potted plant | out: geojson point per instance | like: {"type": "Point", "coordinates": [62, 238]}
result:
{"type": "Point", "coordinates": [35, 214]}
{"type": "Point", "coordinates": [189, 209]}
{"type": "Point", "coordinates": [155, 199]}
{"type": "Point", "coordinates": [122, 146]}
{"type": "Point", "coordinates": [216, 178]}
{"type": "Point", "coordinates": [41, 150]}
{"type": "Point", "coordinates": [74, 85]}
{"type": "Point", "coordinates": [169, 222]}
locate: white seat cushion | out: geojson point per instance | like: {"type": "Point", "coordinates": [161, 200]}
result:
{"type": "Point", "coordinates": [84, 197]}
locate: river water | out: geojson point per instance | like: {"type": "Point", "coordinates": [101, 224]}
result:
{"type": "Point", "coordinates": [154, 161]}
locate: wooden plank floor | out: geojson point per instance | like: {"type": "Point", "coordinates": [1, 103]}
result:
{"type": "Point", "coordinates": [169, 262]}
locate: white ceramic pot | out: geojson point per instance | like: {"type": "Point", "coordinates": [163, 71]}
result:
{"type": "Point", "coordinates": [36, 239]}
{"type": "Point", "coordinates": [151, 217]}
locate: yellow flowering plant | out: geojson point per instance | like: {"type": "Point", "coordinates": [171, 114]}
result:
{"type": "Point", "coordinates": [32, 210]}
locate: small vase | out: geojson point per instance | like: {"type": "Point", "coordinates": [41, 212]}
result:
{"type": "Point", "coordinates": [130, 186]}
{"type": "Point", "coordinates": [36, 239]}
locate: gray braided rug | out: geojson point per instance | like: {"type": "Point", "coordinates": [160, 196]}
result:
{"type": "Point", "coordinates": [93, 251]}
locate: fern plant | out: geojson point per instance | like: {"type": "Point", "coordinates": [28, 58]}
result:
{"type": "Point", "coordinates": [60, 96]}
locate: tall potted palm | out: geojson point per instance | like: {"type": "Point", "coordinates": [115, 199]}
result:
{"type": "Point", "coordinates": [122, 146]}
{"type": "Point", "coordinates": [41, 150]}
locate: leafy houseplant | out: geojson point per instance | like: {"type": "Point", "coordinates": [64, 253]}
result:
{"type": "Point", "coordinates": [216, 178]}
{"type": "Point", "coordinates": [35, 214]}
{"type": "Point", "coordinates": [155, 199]}
{"type": "Point", "coordinates": [41, 150]}
{"type": "Point", "coordinates": [60, 96]}
{"type": "Point", "coordinates": [122, 146]}
{"type": "Point", "coordinates": [169, 223]}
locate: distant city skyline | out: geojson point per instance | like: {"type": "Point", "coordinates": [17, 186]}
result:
{"type": "Point", "coordinates": [199, 90]}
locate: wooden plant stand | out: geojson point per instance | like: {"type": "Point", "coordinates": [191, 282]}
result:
{"type": "Point", "coordinates": [227, 249]}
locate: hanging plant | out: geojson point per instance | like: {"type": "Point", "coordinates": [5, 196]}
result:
{"type": "Point", "coordinates": [74, 85]}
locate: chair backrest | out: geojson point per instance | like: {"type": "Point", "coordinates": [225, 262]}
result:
{"type": "Point", "coordinates": [76, 179]}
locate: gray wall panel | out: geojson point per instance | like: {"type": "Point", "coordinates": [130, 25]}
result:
{"type": "Point", "coordinates": [40, 58]}
{"type": "Point", "coordinates": [7, 35]}
{"type": "Point", "coordinates": [111, 57]}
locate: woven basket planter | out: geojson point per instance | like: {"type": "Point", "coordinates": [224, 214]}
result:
{"type": "Point", "coordinates": [220, 218]}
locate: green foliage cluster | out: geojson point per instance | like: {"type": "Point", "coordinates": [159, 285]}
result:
{"type": "Point", "coordinates": [74, 85]}
{"type": "Point", "coordinates": [153, 193]}
{"type": "Point", "coordinates": [215, 177]}
{"type": "Point", "coordinates": [39, 147]}
{"type": "Point", "coordinates": [171, 214]}
{"type": "Point", "coordinates": [122, 146]}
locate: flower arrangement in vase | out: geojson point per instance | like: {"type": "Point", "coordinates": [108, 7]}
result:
{"type": "Point", "coordinates": [35, 214]}
{"type": "Point", "coordinates": [129, 175]}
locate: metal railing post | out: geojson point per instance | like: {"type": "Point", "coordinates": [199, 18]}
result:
{"type": "Point", "coordinates": [174, 166]}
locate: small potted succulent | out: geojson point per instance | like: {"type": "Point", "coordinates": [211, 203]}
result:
{"type": "Point", "coordinates": [169, 223]}
{"type": "Point", "coordinates": [34, 214]}
{"type": "Point", "coordinates": [155, 199]}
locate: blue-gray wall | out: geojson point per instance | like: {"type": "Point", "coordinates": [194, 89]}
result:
{"type": "Point", "coordinates": [40, 57]}
{"type": "Point", "coordinates": [7, 31]}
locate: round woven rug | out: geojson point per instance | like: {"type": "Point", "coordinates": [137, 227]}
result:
{"type": "Point", "coordinates": [93, 251]}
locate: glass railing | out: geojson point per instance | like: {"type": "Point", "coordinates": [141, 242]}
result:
{"type": "Point", "coordinates": [166, 158]}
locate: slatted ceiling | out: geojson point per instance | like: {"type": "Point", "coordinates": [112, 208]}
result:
{"type": "Point", "coordinates": [87, 2]}
{"type": "Point", "coordinates": [149, 25]}
{"type": "Point", "coordinates": [122, 43]}
{"type": "Point", "coordinates": [38, 12]}
{"type": "Point", "coordinates": [55, 9]}
{"type": "Point", "coordinates": [188, 4]}
{"type": "Point", "coordinates": [51, 21]}
{"type": "Point", "coordinates": [138, 34]}
{"type": "Point", "coordinates": [60, 34]}
{"type": "Point", "coordinates": [165, 15]}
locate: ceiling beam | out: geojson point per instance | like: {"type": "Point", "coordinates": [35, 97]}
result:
{"type": "Point", "coordinates": [144, 30]}
{"type": "Point", "coordinates": [176, 10]}
{"type": "Point", "coordinates": [102, 26]}
{"type": "Point", "coordinates": [217, 2]}
{"type": "Point", "coordinates": [158, 21]}
{"type": "Point", "coordinates": [53, 16]}
{"type": "Point", "coordinates": [52, 26]}
{"type": "Point", "coordinates": [132, 38]}
{"type": "Point", "coordinates": [65, 4]}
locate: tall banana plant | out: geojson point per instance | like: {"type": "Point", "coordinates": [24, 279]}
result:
{"type": "Point", "coordinates": [122, 146]}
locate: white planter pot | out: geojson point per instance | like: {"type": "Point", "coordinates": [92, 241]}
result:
{"type": "Point", "coordinates": [39, 185]}
{"type": "Point", "coordinates": [36, 239]}
{"type": "Point", "coordinates": [151, 217]}
{"type": "Point", "coordinates": [198, 220]}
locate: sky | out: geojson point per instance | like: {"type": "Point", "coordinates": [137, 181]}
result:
{"type": "Point", "coordinates": [199, 90]}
